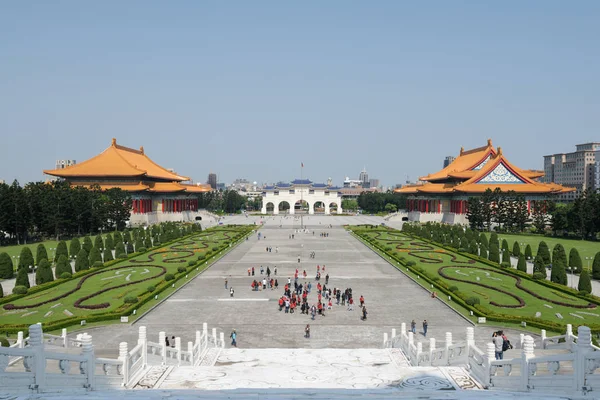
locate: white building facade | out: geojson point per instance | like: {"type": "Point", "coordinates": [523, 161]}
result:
{"type": "Point", "coordinates": [301, 196]}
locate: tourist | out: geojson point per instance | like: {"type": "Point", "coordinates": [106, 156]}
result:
{"type": "Point", "coordinates": [275, 270]}
{"type": "Point", "coordinates": [225, 283]}
{"type": "Point", "coordinates": [499, 345]}
{"type": "Point", "coordinates": [233, 337]}
{"type": "Point", "coordinates": [276, 284]}
{"type": "Point", "coordinates": [313, 311]}
{"type": "Point", "coordinates": [268, 272]}
{"type": "Point", "coordinates": [413, 327]}
{"type": "Point", "coordinates": [425, 325]}
{"type": "Point", "coordinates": [172, 341]}
{"type": "Point", "coordinates": [364, 313]}
{"type": "Point", "coordinates": [327, 279]}
{"type": "Point", "coordinates": [307, 331]}
{"type": "Point", "coordinates": [167, 341]}
{"type": "Point", "coordinates": [264, 284]}
{"type": "Point", "coordinates": [281, 303]}
{"type": "Point", "coordinates": [231, 292]}
{"type": "Point", "coordinates": [350, 303]}
{"type": "Point", "coordinates": [262, 270]}
{"type": "Point", "coordinates": [362, 301]}
{"type": "Point", "coordinates": [252, 271]}
{"type": "Point", "coordinates": [249, 271]}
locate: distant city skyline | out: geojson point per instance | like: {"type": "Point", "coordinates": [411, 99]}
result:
{"type": "Point", "coordinates": [259, 87]}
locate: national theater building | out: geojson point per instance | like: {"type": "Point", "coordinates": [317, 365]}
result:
{"type": "Point", "coordinates": [158, 194]}
{"type": "Point", "coordinates": [442, 196]}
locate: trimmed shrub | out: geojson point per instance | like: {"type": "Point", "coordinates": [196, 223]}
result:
{"type": "Point", "coordinates": [40, 254]}
{"type": "Point", "coordinates": [19, 290]}
{"type": "Point", "coordinates": [494, 255]}
{"type": "Point", "coordinates": [516, 250]}
{"type": "Point", "coordinates": [201, 257]}
{"type": "Point", "coordinates": [4, 342]}
{"type": "Point", "coordinates": [127, 237]}
{"type": "Point", "coordinates": [539, 275]}
{"type": "Point", "coordinates": [107, 255]}
{"type": "Point", "coordinates": [453, 288]}
{"type": "Point", "coordinates": [98, 242]}
{"type": "Point", "coordinates": [558, 252]}
{"type": "Point", "coordinates": [148, 242]}
{"type": "Point", "coordinates": [216, 248]}
{"type": "Point", "coordinates": [1, 291]}
{"type": "Point", "coordinates": [483, 251]}
{"type": "Point", "coordinates": [585, 283]}
{"type": "Point", "coordinates": [120, 250]}
{"type": "Point", "coordinates": [98, 264]}
{"type": "Point", "coordinates": [504, 256]}
{"type": "Point", "coordinates": [473, 249]}
{"type": "Point", "coordinates": [43, 274]}
{"type": "Point", "coordinates": [505, 264]}
{"type": "Point", "coordinates": [138, 244]}
{"type": "Point", "coordinates": [505, 247]}
{"type": "Point", "coordinates": [63, 265]}
{"type": "Point", "coordinates": [388, 248]}
{"type": "Point", "coordinates": [575, 261]}
{"type": "Point", "coordinates": [74, 247]}
{"type": "Point", "coordinates": [169, 277]}
{"type": "Point", "coordinates": [142, 249]}
{"type": "Point", "coordinates": [483, 240]}
{"type": "Point", "coordinates": [109, 242]}
{"type": "Point", "coordinates": [596, 266]}
{"type": "Point", "coordinates": [26, 259]}
{"type": "Point", "coordinates": [61, 250]}
{"type": "Point", "coordinates": [22, 278]}
{"type": "Point", "coordinates": [95, 256]}
{"type": "Point", "coordinates": [473, 300]}
{"type": "Point", "coordinates": [191, 263]}
{"type": "Point", "coordinates": [7, 270]}
{"type": "Point", "coordinates": [130, 299]}
{"type": "Point", "coordinates": [558, 273]}
{"type": "Point", "coordinates": [117, 237]}
{"type": "Point", "coordinates": [538, 265]}
{"type": "Point", "coordinates": [528, 253]}
{"type": "Point", "coordinates": [544, 252]}
{"type": "Point", "coordinates": [130, 248]}
{"type": "Point", "coordinates": [410, 263]}
{"type": "Point", "coordinates": [151, 288]}
{"type": "Point", "coordinates": [87, 244]}
{"type": "Point", "coordinates": [82, 261]}
{"type": "Point", "coordinates": [182, 269]}
{"type": "Point", "coordinates": [66, 275]}
{"type": "Point", "coordinates": [522, 264]}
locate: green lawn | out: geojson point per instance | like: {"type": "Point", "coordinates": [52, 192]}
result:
{"type": "Point", "coordinates": [498, 291]}
{"type": "Point", "coordinates": [107, 288]}
{"type": "Point", "coordinates": [584, 247]}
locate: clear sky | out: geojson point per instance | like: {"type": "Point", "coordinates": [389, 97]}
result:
{"type": "Point", "coordinates": [251, 89]}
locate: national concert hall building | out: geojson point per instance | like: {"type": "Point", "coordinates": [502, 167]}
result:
{"type": "Point", "coordinates": [443, 195]}
{"type": "Point", "coordinates": [158, 194]}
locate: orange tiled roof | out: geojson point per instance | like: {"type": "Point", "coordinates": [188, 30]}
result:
{"type": "Point", "coordinates": [117, 161]}
{"type": "Point", "coordinates": [165, 187]}
{"type": "Point", "coordinates": [197, 188]}
{"type": "Point", "coordinates": [498, 172]}
{"type": "Point", "coordinates": [129, 187]}
{"type": "Point", "coordinates": [466, 161]}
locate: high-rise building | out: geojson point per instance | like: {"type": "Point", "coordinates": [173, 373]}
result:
{"type": "Point", "coordinates": [60, 164]}
{"type": "Point", "coordinates": [448, 160]}
{"type": "Point", "coordinates": [363, 177]}
{"type": "Point", "coordinates": [212, 180]}
{"type": "Point", "coordinates": [374, 182]}
{"type": "Point", "coordinates": [578, 169]}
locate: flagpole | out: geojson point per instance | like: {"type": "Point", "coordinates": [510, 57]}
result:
{"type": "Point", "coordinates": [302, 197]}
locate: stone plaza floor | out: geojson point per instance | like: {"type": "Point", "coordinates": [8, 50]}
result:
{"type": "Point", "coordinates": [391, 297]}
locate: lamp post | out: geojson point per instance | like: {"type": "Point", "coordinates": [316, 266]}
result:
{"type": "Point", "coordinates": [588, 262]}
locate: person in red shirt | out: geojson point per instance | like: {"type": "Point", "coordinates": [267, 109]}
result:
{"type": "Point", "coordinates": [320, 308]}
{"type": "Point", "coordinates": [362, 301]}
{"type": "Point", "coordinates": [280, 303]}
{"type": "Point", "coordinates": [350, 304]}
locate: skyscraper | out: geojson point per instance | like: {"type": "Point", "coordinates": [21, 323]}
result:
{"type": "Point", "coordinates": [364, 178]}
{"type": "Point", "coordinates": [448, 160]}
{"type": "Point", "coordinates": [212, 180]}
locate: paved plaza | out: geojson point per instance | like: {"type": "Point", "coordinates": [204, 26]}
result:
{"type": "Point", "coordinates": [391, 297]}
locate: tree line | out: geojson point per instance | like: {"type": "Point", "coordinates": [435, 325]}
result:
{"type": "Point", "coordinates": [56, 209]}
{"type": "Point", "coordinates": [508, 212]}
{"type": "Point", "coordinates": [375, 202]}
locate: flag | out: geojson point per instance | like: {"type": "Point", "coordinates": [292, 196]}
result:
{"type": "Point", "coordinates": [302, 164]}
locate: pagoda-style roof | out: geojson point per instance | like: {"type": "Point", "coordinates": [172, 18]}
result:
{"type": "Point", "coordinates": [492, 171]}
{"type": "Point", "coordinates": [126, 186]}
{"type": "Point", "coordinates": [471, 160]}
{"type": "Point", "coordinates": [118, 162]}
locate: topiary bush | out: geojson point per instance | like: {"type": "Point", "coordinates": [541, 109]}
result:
{"type": "Point", "coordinates": [61, 250]}
{"type": "Point", "coordinates": [215, 248]}
{"type": "Point", "coordinates": [66, 275]}
{"type": "Point", "coordinates": [191, 263]}
{"type": "Point", "coordinates": [22, 278]}
{"type": "Point", "coordinates": [7, 270]}
{"type": "Point", "coordinates": [107, 255]}
{"type": "Point", "coordinates": [181, 269]}
{"type": "Point", "coordinates": [82, 261]}
{"type": "Point", "coordinates": [585, 283]}
{"type": "Point", "coordinates": [522, 264]}
{"type": "Point", "coordinates": [528, 253]}
{"type": "Point", "coordinates": [516, 250]}
{"type": "Point", "coordinates": [130, 248]}
{"type": "Point", "coordinates": [74, 247]}
{"type": "Point", "coordinates": [544, 252]}
{"type": "Point", "coordinates": [26, 259]}
{"type": "Point", "coordinates": [169, 277]}
{"type": "Point", "coordinates": [62, 265]}
{"type": "Point", "coordinates": [575, 261]}
{"type": "Point", "coordinates": [109, 243]}
{"type": "Point", "coordinates": [1, 291]}
{"type": "Point", "coordinates": [539, 275]}
{"type": "Point", "coordinates": [130, 299]}
{"type": "Point", "coordinates": [19, 290]}
{"type": "Point", "coordinates": [453, 288]}
{"type": "Point", "coordinates": [98, 242]}
{"type": "Point", "coordinates": [151, 288]}
{"type": "Point", "coordinates": [98, 264]}
{"type": "Point", "coordinates": [120, 250]}
{"type": "Point", "coordinates": [43, 274]}
{"type": "Point", "coordinates": [505, 264]}
{"type": "Point", "coordinates": [201, 257]}
{"type": "Point", "coordinates": [410, 263]}
{"type": "Point", "coordinates": [4, 342]}
{"type": "Point", "coordinates": [142, 249]}
{"type": "Point", "coordinates": [87, 244]}
{"type": "Point", "coordinates": [40, 254]}
{"type": "Point", "coordinates": [473, 300]}
{"type": "Point", "coordinates": [95, 256]}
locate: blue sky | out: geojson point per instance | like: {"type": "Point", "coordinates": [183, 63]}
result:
{"type": "Point", "coordinates": [253, 88]}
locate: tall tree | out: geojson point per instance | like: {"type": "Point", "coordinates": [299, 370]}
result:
{"type": "Point", "coordinates": [118, 206]}
{"type": "Point", "coordinates": [22, 278]}
{"type": "Point", "coordinates": [74, 247]}
{"type": "Point", "coordinates": [494, 253]}
{"type": "Point", "coordinates": [87, 244]}
{"type": "Point", "coordinates": [575, 261]}
{"type": "Point", "coordinates": [538, 265]}
{"type": "Point", "coordinates": [62, 265]}
{"type": "Point", "coordinates": [26, 259]}
{"type": "Point", "coordinates": [7, 269]}
{"type": "Point", "coordinates": [41, 254]}
{"type": "Point", "coordinates": [596, 266]}
{"type": "Point", "coordinates": [475, 213]}
{"type": "Point", "coordinates": [528, 253]}
{"type": "Point", "coordinates": [544, 252]}
{"type": "Point", "coordinates": [540, 214]}
{"type": "Point", "coordinates": [585, 284]}
{"type": "Point", "coordinates": [558, 252]}
{"type": "Point", "coordinates": [43, 274]}
{"type": "Point", "coordinates": [82, 261]}
{"type": "Point", "coordinates": [522, 264]}
{"type": "Point", "coordinates": [516, 250]}
{"type": "Point", "coordinates": [61, 250]}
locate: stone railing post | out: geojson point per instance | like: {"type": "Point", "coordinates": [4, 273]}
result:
{"type": "Point", "coordinates": [88, 367]}
{"type": "Point", "coordinates": [393, 333]}
{"type": "Point", "coordinates": [521, 340]}
{"type": "Point", "coordinates": [569, 337]}
{"type": "Point", "coordinates": [526, 354]}
{"type": "Point", "coordinates": [385, 339]}
{"type": "Point", "coordinates": [419, 352]}
{"type": "Point", "coordinates": [20, 341]}
{"type": "Point", "coordinates": [191, 351]}
{"type": "Point", "coordinates": [178, 349]}
{"type": "Point", "coordinates": [583, 349]}
{"type": "Point", "coordinates": [143, 340]}
{"type": "Point", "coordinates": [39, 358]}
{"type": "Point", "coordinates": [198, 338]}
{"type": "Point", "coordinates": [65, 339]}
{"type": "Point", "coordinates": [205, 328]}
{"type": "Point", "coordinates": [162, 340]}
{"type": "Point", "coordinates": [543, 335]}
{"type": "Point", "coordinates": [124, 358]}
{"type": "Point", "coordinates": [410, 344]}
{"type": "Point", "coordinates": [490, 355]}
{"type": "Point", "coordinates": [447, 345]}
{"type": "Point", "coordinates": [214, 335]}
{"type": "Point", "coordinates": [431, 350]}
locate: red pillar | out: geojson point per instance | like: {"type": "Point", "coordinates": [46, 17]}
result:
{"type": "Point", "coordinates": [426, 205]}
